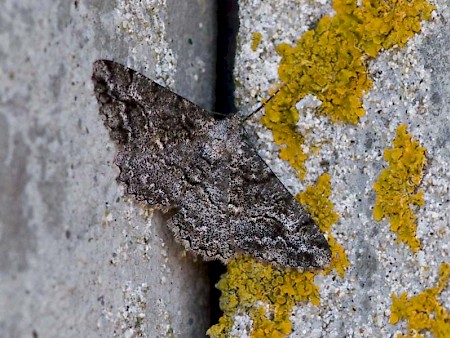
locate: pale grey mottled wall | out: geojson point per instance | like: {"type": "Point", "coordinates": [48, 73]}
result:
{"type": "Point", "coordinates": [410, 86]}
{"type": "Point", "coordinates": [76, 258]}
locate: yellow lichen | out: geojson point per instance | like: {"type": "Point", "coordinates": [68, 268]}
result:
{"type": "Point", "coordinates": [396, 187]}
{"type": "Point", "coordinates": [248, 281]}
{"type": "Point", "coordinates": [250, 286]}
{"type": "Point", "coordinates": [424, 312]}
{"type": "Point", "coordinates": [316, 201]}
{"type": "Point", "coordinates": [330, 63]}
{"type": "Point", "coordinates": [256, 40]}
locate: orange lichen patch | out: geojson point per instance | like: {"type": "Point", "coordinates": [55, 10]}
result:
{"type": "Point", "coordinates": [330, 62]}
{"type": "Point", "coordinates": [256, 40]}
{"type": "Point", "coordinates": [268, 293]}
{"type": "Point", "coordinates": [424, 312]}
{"type": "Point", "coordinates": [397, 185]}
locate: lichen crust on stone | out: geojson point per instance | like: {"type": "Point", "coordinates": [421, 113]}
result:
{"type": "Point", "coordinates": [268, 293]}
{"type": "Point", "coordinates": [423, 312]}
{"type": "Point", "coordinates": [397, 187]}
{"type": "Point", "coordinates": [330, 62]}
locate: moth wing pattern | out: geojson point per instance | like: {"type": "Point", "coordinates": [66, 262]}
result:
{"type": "Point", "coordinates": [201, 222]}
{"type": "Point", "coordinates": [147, 122]}
{"type": "Point", "coordinates": [168, 155]}
{"type": "Point", "coordinates": [174, 155]}
{"type": "Point", "coordinates": [267, 222]}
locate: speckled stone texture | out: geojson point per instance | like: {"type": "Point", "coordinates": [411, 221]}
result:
{"type": "Point", "coordinates": [411, 85]}
{"type": "Point", "coordinates": [77, 259]}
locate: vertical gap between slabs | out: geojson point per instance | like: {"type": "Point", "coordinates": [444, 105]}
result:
{"type": "Point", "coordinates": [227, 30]}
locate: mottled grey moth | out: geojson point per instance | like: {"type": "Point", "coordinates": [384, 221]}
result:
{"type": "Point", "coordinates": [175, 155]}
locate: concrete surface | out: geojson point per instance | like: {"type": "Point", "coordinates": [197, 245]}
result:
{"type": "Point", "coordinates": [411, 85]}
{"type": "Point", "coordinates": [77, 259]}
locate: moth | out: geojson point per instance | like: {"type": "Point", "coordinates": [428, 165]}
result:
{"type": "Point", "coordinates": [176, 156]}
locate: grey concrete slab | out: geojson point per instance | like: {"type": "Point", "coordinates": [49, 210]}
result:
{"type": "Point", "coordinates": [77, 259]}
{"type": "Point", "coordinates": [410, 86]}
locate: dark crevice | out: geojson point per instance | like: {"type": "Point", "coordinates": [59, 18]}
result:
{"type": "Point", "coordinates": [215, 270]}
{"type": "Point", "coordinates": [227, 29]}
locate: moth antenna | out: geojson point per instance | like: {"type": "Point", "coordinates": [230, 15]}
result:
{"type": "Point", "coordinates": [262, 105]}
{"type": "Point", "coordinates": [221, 115]}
